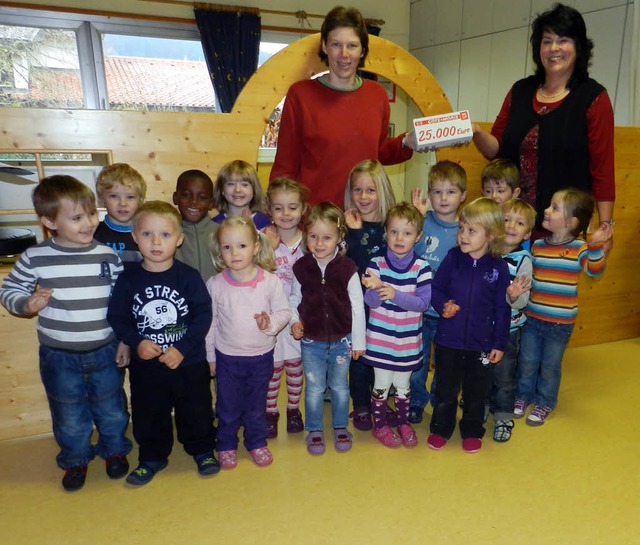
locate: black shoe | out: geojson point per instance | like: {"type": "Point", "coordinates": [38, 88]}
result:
{"type": "Point", "coordinates": [145, 471]}
{"type": "Point", "coordinates": [74, 478]}
{"type": "Point", "coordinates": [117, 466]}
{"type": "Point", "coordinates": [207, 464]}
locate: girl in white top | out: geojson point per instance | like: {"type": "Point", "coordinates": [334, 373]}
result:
{"type": "Point", "coordinates": [286, 203]}
{"type": "Point", "coordinates": [249, 309]}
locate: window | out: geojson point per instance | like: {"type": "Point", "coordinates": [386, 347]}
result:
{"type": "Point", "coordinates": [67, 60]}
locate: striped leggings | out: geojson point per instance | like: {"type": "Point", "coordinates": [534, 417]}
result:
{"type": "Point", "coordinates": [293, 373]}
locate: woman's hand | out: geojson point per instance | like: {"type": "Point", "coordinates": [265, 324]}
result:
{"type": "Point", "coordinates": [602, 234]}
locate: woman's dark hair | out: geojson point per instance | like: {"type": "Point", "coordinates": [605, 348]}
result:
{"type": "Point", "coordinates": [567, 22]}
{"type": "Point", "coordinates": [340, 17]}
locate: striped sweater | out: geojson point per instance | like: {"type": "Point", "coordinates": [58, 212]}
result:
{"type": "Point", "coordinates": [556, 270]}
{"type": "Point", "coordinates": [394, 328]}
{"type": "Point", "coordinates": [81, 280]}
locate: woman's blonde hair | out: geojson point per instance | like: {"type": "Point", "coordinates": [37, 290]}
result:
{"type": "Point", "coordinates": [245, 171]}
{"type": "Point", "coordinates": [329, 213]}
{"type": "Point", "coordinates": [488, 214]}
{"type": "Point", "coordinates": [265, 257]}
{"type": "Point", "coordinates": [380, 179]}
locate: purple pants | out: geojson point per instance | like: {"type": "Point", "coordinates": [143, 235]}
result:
{"type": "Point", "coordinates": [243, 382]}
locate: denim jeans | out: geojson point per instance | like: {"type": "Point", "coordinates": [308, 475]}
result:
{"type": "Point", "coordinates": [503, 379]}
{"type": "Point", "coordinates": [326, 363]}
{"type": "Point", "coordinates": [83, 389]}
{"type": "Point", "coordinates": [419, 394]}
{"type": "Point", "coordinates": [542, 346]}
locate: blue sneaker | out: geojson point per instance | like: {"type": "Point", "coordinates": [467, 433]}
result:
{"type": "Point", "coordinates": [207, 464]}
{"type": "Point", "coordinates": [145, 471]}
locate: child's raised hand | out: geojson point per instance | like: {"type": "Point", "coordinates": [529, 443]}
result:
{"type": "Point", "coordinates": [353, 219]}
{"type": "Point", "coordinates": [386, 292]}
{"type": "Point", "coordinates": [420, 200]}
{"type": "Point", "coordinates": [38, 300]}
{"type": "Point", "coordinates": [172, 357]}
{"type": "Point", "coordinates": [520, 285]}
{"type": "Point", "coordinates": [602, 234]}
{"type": "Point", "coordinates": [370, 280]}
{"type": "Point", "coordinates": [450, 309]}
{"type": "Point", "coordinates": [297, 331]}
{"type": "Point", "coordinates": [123, 355]}
{"type": "Point", "coordinates": [271, 232]}
{"type": "Point", "coordinates": [263, 320]}
{"type": "Point", "coordinates": [148, 350]}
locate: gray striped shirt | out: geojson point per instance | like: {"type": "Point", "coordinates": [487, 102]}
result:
{"type": "Point", "coordinates": [81, 279]}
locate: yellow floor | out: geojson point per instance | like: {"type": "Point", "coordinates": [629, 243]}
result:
{"type": "Point", "coordinates": [576, 480]}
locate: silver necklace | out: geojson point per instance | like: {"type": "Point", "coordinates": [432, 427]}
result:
{"type": "Point", "coordinates": [565, 90]}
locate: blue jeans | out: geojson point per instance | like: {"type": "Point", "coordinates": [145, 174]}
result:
{"type": "Point", "coordinates": [542, 346]}
{"type": "Point", "coordinates": [419, 394]}
{"type": "Point", "coordinates": [503, 379]}
{"type": "Point", "coordinates": [326, 363]}
{"type": "Point", "coordinates": [85, 388]}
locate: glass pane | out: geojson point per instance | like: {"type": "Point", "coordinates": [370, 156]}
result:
{"type": "Point", "coordinates": [156, 74]}
{"type": "Point", "coordinates": [39, 68]}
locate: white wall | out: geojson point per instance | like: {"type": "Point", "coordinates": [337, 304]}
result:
{"type": "Point", "coordinates": [477, 49]}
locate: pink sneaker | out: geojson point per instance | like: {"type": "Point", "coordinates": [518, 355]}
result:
{"type": "Point", "coordinates": [471, 444]}
{"type": "Point", "coordinates": [387, 436]}
{"type": "Point", "coordinates": [228, 459]}
{"type": "Point", "coordinates": [261, 456]}
{"type": "Point", "coordinates": [408, 435]}
{"type": "Point", "coordinates": [436, 442]}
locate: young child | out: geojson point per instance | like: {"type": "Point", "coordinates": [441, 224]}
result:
{"type": "Point", "coordinates": [367, 198]}
{"type": "Point", "coordinates": [328, 315]}
{"type": "Point", "coordinates": [162, 310]}
{"type": "Point", "coordinates": [500, 181]}
{"type": "Point", "coordinates": [238, 193]}
{"type": "Point", "coordinates": [469, 293]}
{"type": "Point", "coordinates": [249, 310]}
{"type": "Point", "coordinates": [67, 281]}
{"type": "Point", "coordinates": [447, 189]}
{"type": "Point", "coordinates": [194, 198]}
{"type": "Point", "coordinates": [558, 261]}
{"type": "Point", "coordinates": [287, 203]}
{"type": "Point", "coordinates": [398, 292]}
{"type": "Point", "coordinates": [519, 219]}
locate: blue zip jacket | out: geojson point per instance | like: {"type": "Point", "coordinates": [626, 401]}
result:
{"type": "Point", "coordinates": [479, 287]}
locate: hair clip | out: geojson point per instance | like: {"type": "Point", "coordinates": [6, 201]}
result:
{"type": "Point", "coordinates": [342, 244]}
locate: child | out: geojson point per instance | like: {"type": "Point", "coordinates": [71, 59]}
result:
{"type": "Point", "coordinates": [286, 200]}
{"type": "Point", "coordinates": [161, 309]}
{"type": "Point", "coordinates": [447, 189]}
{"type": "Point", "coordinates": [519, 219]}
{"type": "Point", "coordinates": [121, 189]}
{"type": "Point", "coordinates": [194, 198]}
{"type": "Point", "coordinates": [558, 261]}
{"type": "Point", "coordinates": [398, 292]}
{"type": "Point", "coordinates": [67, 281]}
{"type": "Point", "coordinates": [238, 193]}
{"type": "Point", "coordinates": [328, 315]}
{"type": "Point", "coordinates": [367, 198]}
{"type": "Point", "coordinates": [500, 181]}
{"type": "Point", "coordinates": [469, 293]}
{"type": "Point", "coordinates": [249, 309]}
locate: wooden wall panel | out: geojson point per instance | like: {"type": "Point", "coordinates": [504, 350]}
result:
{"type": "Point", "coordinates": [162, 145]}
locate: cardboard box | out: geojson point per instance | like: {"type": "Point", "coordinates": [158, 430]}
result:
{"type": "Point", "coordinates": [439, 131]}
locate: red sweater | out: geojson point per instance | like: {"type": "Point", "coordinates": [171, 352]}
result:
{"type": "Point", "coordinates": [325, 132]}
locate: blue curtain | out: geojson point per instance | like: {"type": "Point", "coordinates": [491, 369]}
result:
{"type": "Point", "coordinates": [231, 44]}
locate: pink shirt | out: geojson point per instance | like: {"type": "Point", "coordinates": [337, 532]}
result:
{"type": "Point", "coordinates": [234, 330]}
